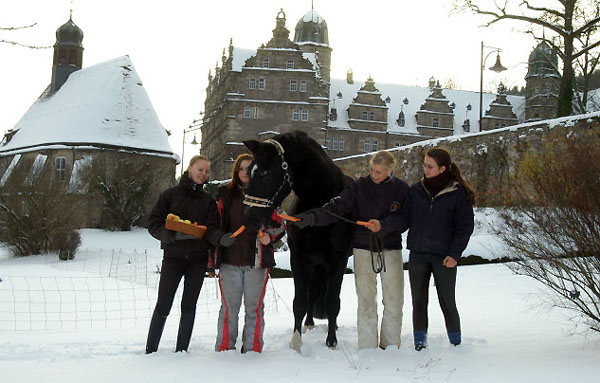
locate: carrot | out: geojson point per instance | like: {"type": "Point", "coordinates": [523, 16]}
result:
{"type": "Point", "coordinates": [288, 217]}
{"type": "Point", "coordinates": [363, 223]}
{"type": "Point", "coordinates": [238, 232]}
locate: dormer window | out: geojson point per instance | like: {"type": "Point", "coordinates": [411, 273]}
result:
{"type": "Point", "coordinates": [401, 119]}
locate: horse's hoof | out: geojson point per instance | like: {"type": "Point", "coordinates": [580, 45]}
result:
{"type": "Point", "coordinates": [331, 342]}
{"type": "Point", "coordinates": [296, 342]}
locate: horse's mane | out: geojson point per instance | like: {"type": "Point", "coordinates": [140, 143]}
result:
{"type": "Point", "coordinates": [316, 177]}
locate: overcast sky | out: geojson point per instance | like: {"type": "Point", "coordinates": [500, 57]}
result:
{"type": "Point", "coordinates": [174, 43]}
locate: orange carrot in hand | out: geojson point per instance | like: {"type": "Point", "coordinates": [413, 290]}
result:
{"type": "Point", "coordinates": [288, 217]}
{"type": "Point", "coordinates": [363, 223]}
{"type": "Point", "coordinates": [238, 232]}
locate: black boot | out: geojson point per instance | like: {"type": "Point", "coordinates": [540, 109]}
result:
{"type": "Point", "coordinates": [155, 332]}
{"type": "Point", "coordinates": [186, 324]}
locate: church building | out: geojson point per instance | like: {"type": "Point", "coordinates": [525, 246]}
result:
{"type": "Point", "coordinates": [98, 113]}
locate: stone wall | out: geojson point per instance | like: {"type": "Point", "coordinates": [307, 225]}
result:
{"type": "Point", "coordinates": [487, 159]}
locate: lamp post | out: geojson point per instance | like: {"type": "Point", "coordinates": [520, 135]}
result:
{"type": "Point", "coordinates": [496, 68]}
{"type": "Point", "coordinates": [194, 125]}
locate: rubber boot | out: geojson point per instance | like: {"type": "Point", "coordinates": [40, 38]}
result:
{"type": "Point", "coordinates": [186, 324]}
{"type": "Point", "coordinates": [157, 324]}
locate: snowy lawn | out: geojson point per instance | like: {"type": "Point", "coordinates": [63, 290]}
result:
{"type": "Point", "coordinates": [507, 336]}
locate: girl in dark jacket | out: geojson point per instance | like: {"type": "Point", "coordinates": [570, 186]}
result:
{"type": "Point", "coordinates": [439, 214]}
{"type": "Point", "coordinates": [184, 255]}
{"type": "Point", "coordinates": [374, 196]}
{"type": "Point", "coordinates": [243, 267]}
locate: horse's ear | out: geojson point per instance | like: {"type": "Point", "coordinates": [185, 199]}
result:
{"type": "Point", "coordinates": [252, 145]}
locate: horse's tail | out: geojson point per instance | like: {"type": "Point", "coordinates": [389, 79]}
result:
{"type": "Point", "coordinates": [317, 286]}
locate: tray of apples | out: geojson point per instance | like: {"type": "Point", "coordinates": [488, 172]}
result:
{"type": "Point", "coordinates": [175, 223]}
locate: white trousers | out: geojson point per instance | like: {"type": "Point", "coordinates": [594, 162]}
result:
{"type": "Point", "coordinates": [392, 283]}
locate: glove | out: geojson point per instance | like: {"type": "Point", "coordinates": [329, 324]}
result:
{"type": "Point", "coordinates": [306, 220]}
{"type": "Point", "coordinates": [182, 236]}
{"type": "Point", "coordinates": [226, 240]}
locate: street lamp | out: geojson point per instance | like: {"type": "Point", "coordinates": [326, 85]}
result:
{"type": "Point", "coordinates": [496, 68]}
{"type": "Point", "coordinates": [194, 125]}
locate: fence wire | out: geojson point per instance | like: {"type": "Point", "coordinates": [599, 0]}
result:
{"type": "Point", "coordinates": [120, 291]}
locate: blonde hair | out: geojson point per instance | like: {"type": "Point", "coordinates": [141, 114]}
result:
{"type": "Point", "coordinates": [197, 158]}
{"type": "Point", "coordinates": [384, 158]}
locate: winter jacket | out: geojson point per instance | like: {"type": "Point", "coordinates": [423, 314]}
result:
{"type": "Point", "coordinates": [365, 200]}
{"type": "Point", "coordinates": [188, 201]}
{"type": "Point", "coordinates": [247, 249]}
{"type": "Point", "coordinates": [441, 225]}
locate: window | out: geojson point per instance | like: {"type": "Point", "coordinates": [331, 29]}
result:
{"type": "Point", "coordinates": [265, 63]}
{"type": "Point", "coordinates": [397, 144]}
{"type": "Point", "coordinates": [328, 144]}
{"type": "Point", "coordinates": [295, 115]}
{"type": "Point", "coordinates": [252, 83]}
{"type": "Point", "coordinates": [341, 144]}
{"type": "Point", "coordinates": [289, 64]}
{"type": "Point", "coordinates": [367, 146]}
{"type": "Point", "coordinates": [375, 146]}
{"type": "Point", "coordinates": [335, 144]}
{"type": "Point", "coordinates": [60, 169]}
{"type": "Point", "coordinates": [372, 116]}
{"type": "Point", "coordinates": [304, 114]}
{"type": "Point", "coordinates": [261, 83]}
{"type": "Point", "coordinates": [365, 115]}
{"type": "Point", "coordinates": [251, 112]}
{"type": "Point", "coordinates": [303, 84]}
{"type": "Point", "coordinates": [293, 85]}
{"type": "Point", "coordinates": [436, 122]}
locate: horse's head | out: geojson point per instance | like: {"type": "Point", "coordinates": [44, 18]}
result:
{"type": "Point", "coordinates": [270, 182]}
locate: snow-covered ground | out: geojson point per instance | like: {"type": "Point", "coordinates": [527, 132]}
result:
{"type": "Point", "coordinates": [507, 335]}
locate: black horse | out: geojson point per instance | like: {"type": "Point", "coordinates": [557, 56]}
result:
{"type": "Point", "coordinates": [294, 161]}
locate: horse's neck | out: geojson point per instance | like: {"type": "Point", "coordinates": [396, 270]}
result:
{"type": "Point", "coordinates": [316, 181]}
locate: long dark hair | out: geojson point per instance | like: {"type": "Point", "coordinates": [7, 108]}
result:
{"type": "Point", "coordinates": [235, 172]}
{"type": "Point", "coordinates": [442, 158]}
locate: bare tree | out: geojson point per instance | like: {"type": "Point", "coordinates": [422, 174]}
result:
{"type": "Point", "coordinates": [553, 228]}
{"type": "Point", "coordinates": [14, 42]}
{"type": "Point", "coordinates": [572, 25]}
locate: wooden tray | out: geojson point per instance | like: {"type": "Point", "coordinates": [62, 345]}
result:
{"type": "Point", "coordinates": [182, 227]}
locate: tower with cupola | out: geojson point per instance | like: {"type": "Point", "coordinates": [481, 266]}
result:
{"type": "Point", "coordinates": [68, 53]}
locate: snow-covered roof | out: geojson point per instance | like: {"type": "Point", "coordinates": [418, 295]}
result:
{"type": "Point", "coordinates": [313, 16]}
{"type": "Point", "coordinates": [101, 105]}
{"type": "Point", "coordinates": [416, 97]}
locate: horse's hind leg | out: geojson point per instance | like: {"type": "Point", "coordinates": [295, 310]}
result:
{"type": "Point", "coordinates": [300, 306]}
{"type": "Point", "coordinates": [333, 302]}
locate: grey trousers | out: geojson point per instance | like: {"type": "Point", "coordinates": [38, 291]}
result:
{"type": "Point", "coordinates": [236, 282]}
{"type": "Point", "coordinates": [392, 283]}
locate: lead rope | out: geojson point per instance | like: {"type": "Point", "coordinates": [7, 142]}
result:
{"type": "Point", "coordinates": [375, 244]}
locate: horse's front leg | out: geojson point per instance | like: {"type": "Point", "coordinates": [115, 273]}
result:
{"type": "Point", "coordinates": [333, 302]}
{"type": "Point", "coordinates": [300, 307]}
